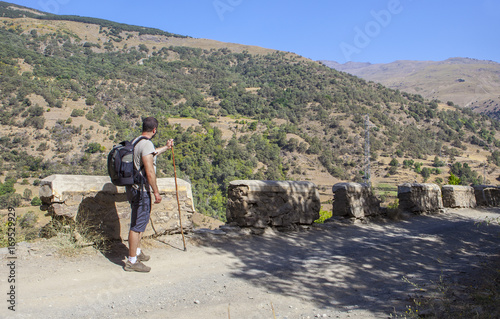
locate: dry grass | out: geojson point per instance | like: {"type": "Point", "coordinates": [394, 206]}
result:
{"type": "Point", "coordinates": [473, 296]}
{"type": "Point", "coordinates": [72, 239]}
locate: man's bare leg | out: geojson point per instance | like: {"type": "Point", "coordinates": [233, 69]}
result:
{"type": "Point", "coordinates": [134, 240]}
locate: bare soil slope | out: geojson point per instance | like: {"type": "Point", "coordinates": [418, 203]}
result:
{"type": "Point", "coordinates": [466, 82]}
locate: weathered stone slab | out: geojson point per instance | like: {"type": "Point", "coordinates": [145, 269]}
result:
{"type": "Point", "coordinates": [492, 196]}
{"type": "Point", "coordinates": [95, 201]}
{"type": "Point", "coordinates": [354, 200]}
{"type": "Point", "coordinates": [261, 204]}
{"type": "Point", "coordinates": [487, 195]}
{"type": "Point", "coordinates": [457, 196]}
{"type": "Point", "coordinates": [420, 198]}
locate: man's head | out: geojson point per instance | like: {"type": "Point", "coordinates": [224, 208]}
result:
{"type": "Point", "coordinates": [149, 124]}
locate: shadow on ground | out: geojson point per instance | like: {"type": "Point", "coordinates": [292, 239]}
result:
{"type": "Point", "coordinates": [363, 265]}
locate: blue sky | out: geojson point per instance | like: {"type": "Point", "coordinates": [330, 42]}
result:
{"type": "Point", "coordinates": [377, 31]}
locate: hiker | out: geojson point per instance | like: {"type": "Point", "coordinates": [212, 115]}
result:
{"type": "Point", "coordinates": [139, 195]}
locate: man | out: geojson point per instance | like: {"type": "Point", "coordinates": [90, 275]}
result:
{"type": "Point", "coordinates": [139, 195]}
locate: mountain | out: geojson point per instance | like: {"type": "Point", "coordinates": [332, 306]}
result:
{"type": "Point", "coordinates": [71, 87]}
{"type": "Point", "coordinates": [463, 81]}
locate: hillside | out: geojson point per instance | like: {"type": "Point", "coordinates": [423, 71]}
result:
{"type": "Point", "coordinates": [465, 82]}
{"type": "Point", "coordinates": [71, 89]}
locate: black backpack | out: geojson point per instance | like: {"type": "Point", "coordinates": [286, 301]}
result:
{"type": "Point", "coordinates": [121, 167]}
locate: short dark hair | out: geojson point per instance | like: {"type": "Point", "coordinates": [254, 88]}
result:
{"type": "Point", "coordinates": [149, 124]}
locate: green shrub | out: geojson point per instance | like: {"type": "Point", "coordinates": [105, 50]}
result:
{"type": "Point", "coordinates": [27, 194]}
{"type": "Point", "coordinates": [394, 162]}
{"type": "Point", "coordinates": [94, 147]}
{"type": "Point", "coordinates": [90, 100]}
{"type": "Point", "coordinates": [10, 200]}
{"type": "Point", "coordinates": [393, 170]}
{"type": "Point", "coordinates": [438, 162]}
{"type": "Point", "coordinates": [453, 180]}
{"type": "Point", "coordinates": [36, 201]}
{"type": "Point", "coordinates": [323, 215]}
{"type": "Point", "coordinates": [77, 113]}
{"type": "Point", "coordinates": [28, 220]}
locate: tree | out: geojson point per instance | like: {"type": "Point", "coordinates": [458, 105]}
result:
{"type": "Point", "coordinates": [90, 100]}
{"type": "Point", "coordinates": [36, 201]}
{"type": "Point", "coordinates": [394, 162]}
{"type": "Point", "coordinates": [252, 126]}
{"type": "Point", "coordinates": [495, 157]}
{"type": "Point", "coordinates": [438, 162]}
{"type": "Point", "coordinates": [94, 147]}
{"type": "Point", "coordinates": [27, 194]}
{"type": "Point", "coordinates": [77, 112]}
{"type": "Point", "coordinates": [10, 200]}
{"type": "Point", "coordinates": [466, 175]}
{"type": "Point", "coordinates": [393, 170]}
{"type": "Point", "coordinates": [426, 173]}
{"type": "Point", "coordinates": [418, 167]}
{"type": "Point", "coordinates": [408, 163]}
{"type": "Point", "coordinates": [8, 186]}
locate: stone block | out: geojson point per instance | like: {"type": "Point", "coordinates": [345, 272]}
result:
{"type": "Point", "coordinates": [94, 201]}
{"type": "Point", "coordinates": [457, 196]}
{"type": "Point", "coordinates": [419, 198]}
{"type": "Point", "coordinates": [261, 204]}
{"type": "Point", "coordinates": [487, 195]}
{"type": "Point", "coordinates": [354, 200]}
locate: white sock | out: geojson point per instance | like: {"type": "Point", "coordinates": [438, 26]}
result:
{"type": "Point", "coordinates": [138, 251]}
{"type": "Point", "coordinates": [132, 260]}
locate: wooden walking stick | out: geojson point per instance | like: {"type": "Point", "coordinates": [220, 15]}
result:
{"type": "Point", "coordinates": [178, 203]}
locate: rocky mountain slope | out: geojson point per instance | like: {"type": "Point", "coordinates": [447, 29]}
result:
{"type": "Point", "coordinates": [74, 86]}
{"type": "Point", "coordinates": [463, 81]}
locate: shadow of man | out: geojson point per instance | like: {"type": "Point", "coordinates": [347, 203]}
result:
{"type": "Point", "coordinates": [98, 221]}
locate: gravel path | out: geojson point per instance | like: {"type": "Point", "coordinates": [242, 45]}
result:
{"type": "Point", "coordinates": [336, 270]}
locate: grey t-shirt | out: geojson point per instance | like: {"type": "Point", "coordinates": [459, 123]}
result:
{"type": "Point", "coordinates": [144, 147]}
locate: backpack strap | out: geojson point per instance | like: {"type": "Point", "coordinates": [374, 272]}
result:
{"type": "Point", "coordinates": [138, 139]}
{"type": "Point", "coordinates": [134, 142]}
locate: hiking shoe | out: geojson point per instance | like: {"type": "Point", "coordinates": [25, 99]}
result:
{"type": "Point", "coordinates": [142, 257]}
{"type": "Point", "coordinates": [138, 266]}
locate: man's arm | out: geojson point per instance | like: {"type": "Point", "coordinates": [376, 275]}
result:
{"type": "Point", "coordinates": [163, 149]}
{"type": "Point", "coordinates": [149, 168]}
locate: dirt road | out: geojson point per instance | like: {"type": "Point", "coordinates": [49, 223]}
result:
{"type": "Point", "coordinates": [336, 270]}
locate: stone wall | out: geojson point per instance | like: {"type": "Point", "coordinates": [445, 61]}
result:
{"type": "Point", "coordinates": [96, 202]}
{"type": "Point", "coordinates": [455, 196]}
{"type": "Point", "coordinates": [261, 204]}
{"type": "Point", "coordinates": [354, 200]}
{"type": "Point", "coordinates": [420, 198]}
{"type": "Point", "coordinates": [487, 195]}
